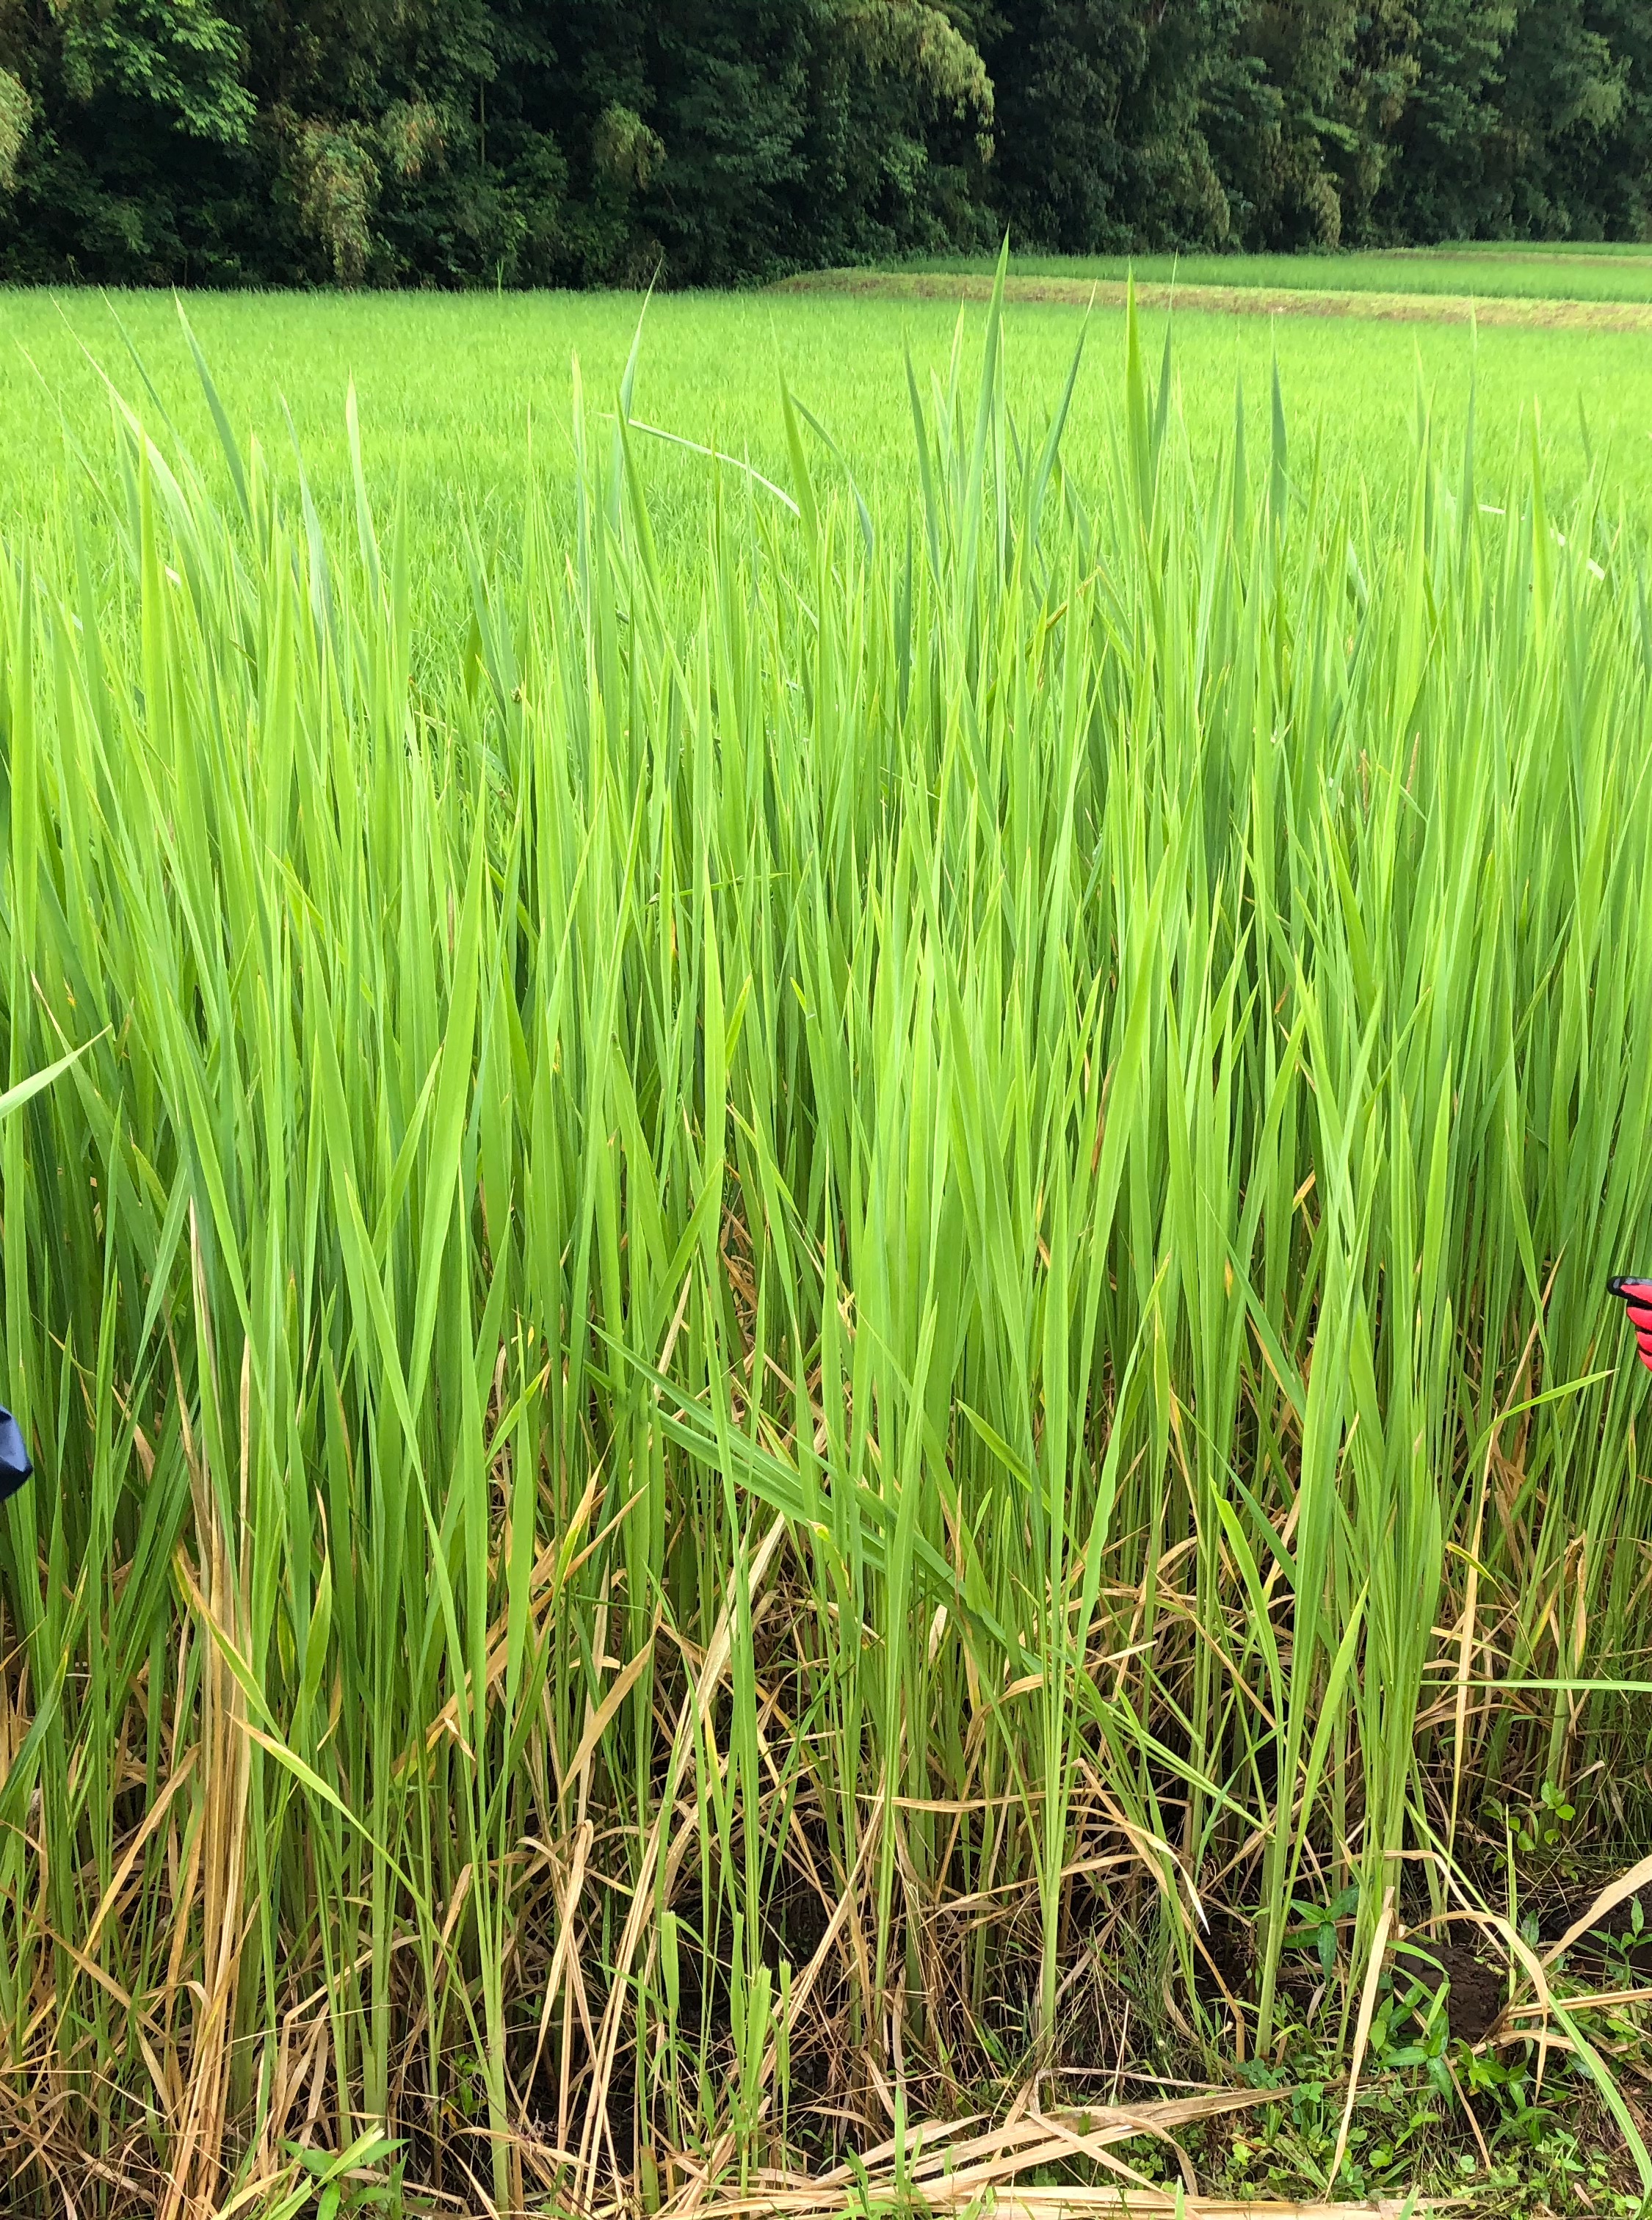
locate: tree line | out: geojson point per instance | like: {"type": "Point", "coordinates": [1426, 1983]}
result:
{"type": "Point", "coordinates": [458, 142]}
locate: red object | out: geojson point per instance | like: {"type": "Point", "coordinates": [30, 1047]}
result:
{"type": "Point", "coordinates": [1636, 1295]}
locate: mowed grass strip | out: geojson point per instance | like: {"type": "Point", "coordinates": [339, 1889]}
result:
{"type": "Point", "coordinates": [1529, 312]}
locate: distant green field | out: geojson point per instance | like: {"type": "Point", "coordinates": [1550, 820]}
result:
{"type": "Point", "coordinates": [449, 388]}
{"type": "Point", "coordinates": [1561, 249]}
{"type": "Point", "coordinates": [1570, 273]}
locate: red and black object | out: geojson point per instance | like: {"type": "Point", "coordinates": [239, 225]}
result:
{"type": "Point", "coordinates": [1636, 1296]}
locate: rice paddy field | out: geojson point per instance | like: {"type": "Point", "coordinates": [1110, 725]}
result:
{"type": "Point", "coordinates": [463, 404]}
{"type": "Point", "coordinates": [805, 1240]}
{"type": "Point", "coordinates": [1487, 270]}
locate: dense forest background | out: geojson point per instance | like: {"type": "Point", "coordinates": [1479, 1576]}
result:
{"type": "Point", "coordinates": [458, 142]}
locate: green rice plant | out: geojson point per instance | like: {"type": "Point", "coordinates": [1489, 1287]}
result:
{"type": "Point", "coordinates": [462, 451]}
{"type": "Point", "coordinates": [743, 1309]}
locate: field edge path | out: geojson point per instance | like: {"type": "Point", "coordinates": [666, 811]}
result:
{"type": "Point", "coordinates": [1499, 310]}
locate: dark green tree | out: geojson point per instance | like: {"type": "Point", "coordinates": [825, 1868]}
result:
{"type": "Point", "coordinates": [1447, 175]}
{"type": "Point", "coordinates": [1567, 103]}
{"type": "Point", "coordinates": [1101, 109]}
{"type": "Point", "coordinates": [122, 128]}
{"type": "Point", "coordinates": [462, 142]}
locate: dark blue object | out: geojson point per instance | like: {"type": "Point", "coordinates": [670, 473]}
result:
{"type": "Point", "coordinates": [14, 1466]}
